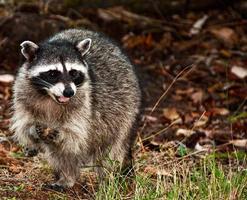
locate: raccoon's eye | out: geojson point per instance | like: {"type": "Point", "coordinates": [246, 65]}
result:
{"type": "Point", "coordinates": [74, 73]}
{"type": "Point", "coordinates": [54, 73]}
{"type": "Point", "coordinates": [77, 77]}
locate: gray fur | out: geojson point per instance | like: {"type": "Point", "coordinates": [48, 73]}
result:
{"type": "Point", "coordinates": [96, 124]}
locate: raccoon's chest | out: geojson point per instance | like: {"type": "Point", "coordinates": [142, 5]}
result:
{"type": "Point", "coordinates": [48, 113]}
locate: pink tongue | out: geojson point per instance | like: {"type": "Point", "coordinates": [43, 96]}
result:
{"type": "Point", "coordinates": [63, 99]}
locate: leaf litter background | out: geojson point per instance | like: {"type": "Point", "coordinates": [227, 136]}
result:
{"type": "Point", "coordinates": [193, 72]}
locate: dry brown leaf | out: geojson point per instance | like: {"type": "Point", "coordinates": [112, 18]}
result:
{"type": "Point", "coordinates": [184, 132]}
{"type": "Point", "coordinates": [197, 26]}
{"type": "Point", "coordinates": [4, 144]}
{"type": "Point", "coordinates": [6, 78]}
{"type": "Point", "coordinates": [150, 118]}
{"type": "Point", "coordinates": [3, 153]}
{"type": "Point", "coordinates": [225, 34]}
{"type": "Point", "coordinates": [240, 72]}
{"type": "Point", "coordinates": [188, 118]}
{"type": "Point", "coordinates": [186, 91]}
{"type": "Point", "coordinates": [163, 172]}
{"type": "Point", "coordinates": [15, 168]}
{"type": "Point", "coordinates": [131, 41]}
{"type": "Point", "coordinates": [165, 42]}
{"type": "Point", "coordinates": [201, 122]}
{"type": "Point", "coordinates": [154, 171]}
{"type": "Point", "coordinates": [150, 170]}
{"type": "Point", "coordinates": [219, 111]}
{"type": "Point", "coordinates": [239, 143]}
{"type": "Point", "coordinates": [171, 114]}
{"type": "Point", "coordinates": [197, 96]}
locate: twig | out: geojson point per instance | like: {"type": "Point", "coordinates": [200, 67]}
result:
{"type": "Point", "coordinates": [166, 91]}
{"type": "Point", "coordinates": [162, 130]}
{"type": "Point", "coordinates": [237, 23]}
{"type": "Point", "coordinates": [198, 119]}
{"type": "Point", "coordinates": [186, 156]}
{"type": "Point", "coordinates": [141, 141]}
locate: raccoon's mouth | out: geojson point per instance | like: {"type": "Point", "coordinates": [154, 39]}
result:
{"type": "Point", "coordinates": [62, 99]}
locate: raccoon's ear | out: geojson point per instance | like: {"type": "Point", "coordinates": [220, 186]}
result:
{"type": "Point", "coordinates": [84, 46]}
{"type": "Point", "coordinates": [29, 49]}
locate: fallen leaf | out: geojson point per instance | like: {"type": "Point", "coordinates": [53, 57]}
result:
{"type": "Point", "coordinates": [165, 42]}
{"type": "Point", "coordinates": [3, 153]}
{"type": "Point", "coordinates": [131, 41]}
{"type": "Point", "coordinates": [219, 111]}
{"type": "Point", "coordinates": [171, 114]}
{"type": "Point", "coordinates": [154, 171]}
{"type": "Point", "coordinates": [150, 118]}
{"type": "Point", "coordinates": [201, 122]}
{"type": "Point", "coordinates": [239, 92]}
{"type": "Point", "coordinates": [184, 132]}
{"type": "Point", "coordinates": [197, 26]}
{"type": "Point", "coordinates": [6, 78]}
{"type": "Point", "coordinates": [188, 119]}
{"type": "Point", "coordinates": [197, 96]}
{"type": "Point", "coordinates": [30, 188]}
{"type": "Point", "coordinates": [15, 168]}
{"type": "Point", "coordinates": [239, 143]}
{"type": "Point", "coordinates": [163, 172]}
{"type": "Point", "coordinates": [240, 72]}
{"type": "Point", "coordinates": [150, 170]}
{"type": "Point", "coordinates": [185, 91]}
{"type": "Point", "coordinates": [5, 144]}
{"type": "Point", "coordinates": [226, 35]}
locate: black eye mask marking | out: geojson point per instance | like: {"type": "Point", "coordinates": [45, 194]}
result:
{"type": "Point", "coordinates": [76, 76]}
{"type": "Point", "coordinates": [52, 76]}
{"type": "Point", "coordinates": [46, 79]}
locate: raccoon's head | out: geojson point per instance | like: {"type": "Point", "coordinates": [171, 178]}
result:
{"type": "Point", "coordinates": [56, 68]}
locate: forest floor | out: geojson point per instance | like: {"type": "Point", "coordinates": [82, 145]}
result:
{"type": "Point", "coordinates": [192, 141]}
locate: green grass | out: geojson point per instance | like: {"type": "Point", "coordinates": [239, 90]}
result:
{"type": "Point", "coordinates": [236, 117]}
{"type": "Point", "coordinates": [214, 176]}
{"type": "Point", "coordinates": [207, 179]}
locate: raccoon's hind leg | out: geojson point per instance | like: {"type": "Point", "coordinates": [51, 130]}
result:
{"type": "Point", "coordinates": [121, 157]}
{"type": "Point", "coordinates": [61, 157]}
{"type": "Point", "coordinates": [66, 169]}
{"type": "Point", "coordinates": [116, 161]}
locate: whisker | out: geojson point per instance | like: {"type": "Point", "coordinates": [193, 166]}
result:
{"type": "Point", "coordinates": [39, 81]}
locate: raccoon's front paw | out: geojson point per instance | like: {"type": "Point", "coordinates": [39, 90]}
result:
{"type": "Point", "coordinates": [30, 151]}
{"type": "Point", "coordinates": [54, 186]}
{"type": "Point", "coordinates": [33, 135]}
{"type": "Point", "coordinates": [46, 134]}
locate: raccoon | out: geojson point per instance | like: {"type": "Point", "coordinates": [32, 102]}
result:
{"type": "Point", "coordinates": [76, 98]}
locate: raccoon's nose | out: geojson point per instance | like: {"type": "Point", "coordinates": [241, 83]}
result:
{"type": "Point", "coordinates": [68, 92]}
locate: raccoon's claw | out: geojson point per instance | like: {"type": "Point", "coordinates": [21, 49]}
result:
{"type": "Point", "coordinates": [54, 186]}
{"type": "Point", "coordinates": [52, 135]}
{"type": "Point", "coordinates": [30, 151]}
{"type": "Point", "coordinates": [33, 135]}
{"type": "Point", "coordinates": [48, 135]}
{"type": "Point", "coordinates": [40, 130]}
